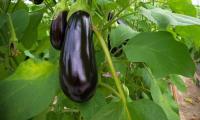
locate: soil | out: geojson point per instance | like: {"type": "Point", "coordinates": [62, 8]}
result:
{"type": "Point", "coordinates": [189, 101]}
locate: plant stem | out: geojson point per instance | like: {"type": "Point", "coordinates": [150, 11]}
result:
{"type": "Point", "coordinates": [115, 18]}
{"type": "Point", "coordinates": [153, 2]}
{"type": "Point", "coordinates": [107, 54]}
{"type": "Point", "coordinates": [7, 7]}
{"type": "Point", "coordinates": [117, 81]}
{"type": "Point", "coordinates": [117, 51]}
{"type": "Point", "coordinates": [12, 30]}
{"type": "Point", "coordinates": [48, 6]}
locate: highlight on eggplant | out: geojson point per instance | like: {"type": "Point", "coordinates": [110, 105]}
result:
{"type": "Point", "coordinates": [57, 30]}
{"type": "Point", "coordinates": [78, 71]}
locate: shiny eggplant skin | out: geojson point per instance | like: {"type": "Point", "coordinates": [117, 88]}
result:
{"type": "Point", "coordinates": [78, 71]}
{"type": "Point", "coordinates": [57, 30]}
{"type": "Point", "coordinates": [37, 2]}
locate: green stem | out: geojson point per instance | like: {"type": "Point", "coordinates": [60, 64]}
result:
{"type": "Point", "coordinates": [98, 15]}
{"type": "Point", "coordinates": [109, 88]}
{"type": "Point", "coordinates": [12, 30]}
{"type": "Point", "coordinates": [117, 51]}
{"type": "Point", "coordinates": [117, 81]}
{"type": "Point", "coordinates": [48, 6]}
{"type": "Point", "coordinates": [115, 18]}
{"type": "Point", "coordinates": [7, 7]}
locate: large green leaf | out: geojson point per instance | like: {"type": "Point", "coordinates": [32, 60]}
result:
{"type": "Point", "coordinates": [89, 108]}
{"type": "Point", "coordinates": [161, 53]}
{"type": "Point", "coordinates": [138, 110]}
{"type": "Point", "coordinates": [123, 3]}
{"type": "Point", "coordinates": [20, 19]}
{"type": "Point", "coordinates": [112, 111]}
{"type": "Point", "coordinates": [183, 7]}
{"type": "Point", "coordinates": [190, 34]}
{"type": "Point", "coordinates": [120, 34]}
{"type": "Point", "coordinates": [146, 110]}
{"type": "Point", "coordinates": [106, 5]}
{"type": "Point", "coordinates": [28, 91]}
{"type": "Point", "coordinates": [163, 18]}
{"type": "Point", "coordinates": [162, 101]}
{"type": "Point", "coordinates": [4, 72]}
{"type": "Point", "coordinates": [30, 35]}
{"type": "Point", "coordinates": [58, 116]}
{"type": "Point", "coordinates": [20, 5]}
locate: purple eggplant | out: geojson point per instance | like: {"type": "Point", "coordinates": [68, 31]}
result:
{"type": "Point", "coordinates": [78, 71]}
{"type": "Point", "coordinates": [57, 30]}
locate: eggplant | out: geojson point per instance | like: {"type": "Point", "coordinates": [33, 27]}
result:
{"type": "Point", "coordinates": [78, 70]}
{"type": "Point", "coordinates": [57, 30]}
{"type": "Point", "coordinates": [110, 16]}
{"type": "Point", "coordinates": [37, 2]}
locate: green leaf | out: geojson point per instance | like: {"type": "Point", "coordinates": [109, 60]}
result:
{"type": "Point", "coordinates": [160, 100]}
{"type": "Point", "coordinates": [30, 35]}
{"type": "Point", "coordinates": [20, 5]}
{"type": "Point", "coordinates": [55, 115]}
{"type": "Point", "coordinates": [99, 54]}
{"type": "Point", "coordinates": [190, 34]}
{"type": "Point", "coordinates": [91, 107]}
{"type": "Point", "coordinates": [106, 5]}
{"type": "Point", "coordinates": [183, 7]}
{"type": "Point", "coordinates": [120, 34]}
{"type": "Point", "coordinates": [20, 19]}
{"type": "Point", "coordinates": [164, 18]}
{"type": "Point", "coordinates": [176, 80]}
{"type": "Point", "coordinates": [59, 116]}
{"type": "Point", "coordinates": [4, 72]}
{"type": "Point", "coordinates": [146, 110]}
{"type": "Point", "coordinates": [167, 94]}
{"type": "Point", "coordinates": [123, 3]}
{"type": "Point", "coordinates": [43, 29]}
{"type": "Point", "coordinates": [161, 53]}
{"type": "Point", "coordinates": [139, 110]}
{"type": "Point", "coordinates": [170, 100]}
{"type": "Point", "coordinates": [28, 91]}
{"type": "Point", "coordinates": [111, 111]}
{"type": "Point", "coordinates": [41, 116]}
{"type": "Point", "coordinates": [120, 66]}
